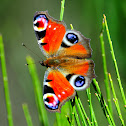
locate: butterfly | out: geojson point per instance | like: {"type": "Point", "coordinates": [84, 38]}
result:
{"type": "Point", "coordinates": [67, 53]}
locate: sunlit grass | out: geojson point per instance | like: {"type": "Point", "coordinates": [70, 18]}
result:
{"type": "Point", "coordinates": [27, 115]}
{"type": "Point", "coordinates": [114, 60]}
{"type": "Point", "coordinates": [5, 80]}
{"type": "Point", "coordinates": [38, 92]}
{"type": "Point", "coordinates": [105, 68]}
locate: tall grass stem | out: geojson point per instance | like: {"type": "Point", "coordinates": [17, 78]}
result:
{"type": "Point", "coordinates": [38, 92]}
{"type": "Point", "coordinates": [27, 115]}
{"type": "Point", "coordinates": [115, 63]}
{"type": "Point", "coordinates": [62, 9]}
{"type": "Point", "coordinates": [105, 68]}
{"type": "Point", "coordinates": [116, 101]}
{"type": "Point", "coordinates": [6, 86]}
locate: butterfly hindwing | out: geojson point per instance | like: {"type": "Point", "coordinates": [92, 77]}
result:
{"type": "Point", "coordinates": [60, 83]}
{"type": "Point", "coordinates": [78, 72]}
{"type": "Point", "coordinates": [57, 90]}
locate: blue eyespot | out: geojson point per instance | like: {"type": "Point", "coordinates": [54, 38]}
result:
{"type": "Point", "coordinates": [79, 81]}
{"type": "Point", "coordinates": [51, 105]}
{"type": "Point", "coordinates": [71, 37]}
{"type": "Point", "coordinates": [40, 16]}
{"type": "Point", "coordinates": [51, 101]}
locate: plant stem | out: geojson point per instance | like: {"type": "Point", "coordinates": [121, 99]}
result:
{"type": "Point", "coordinates": [103, 103]}
{"type": "Point", "coordinates": [27, 115]}
{"type": "Point", "coordinates": [62, 10]}
{"type": "Point", "coordinates": [93, 118]}
{"type": "Point", "coordinates": [38, 92]}
{"type": "Point", "coordinates": [76, 116]}
{"type": "Point", "coordinates": [80, 112]}
{"type": "Point", "coordinates": [105, 69]}
{"type": "Point", "coordinates": [5, 80]}
{"type": "Point", "coordinates": [115, 63]}
{"type": "Point", "coordinates": [116, 101]}
{"type": "Point", "coordinates": [78, 101]}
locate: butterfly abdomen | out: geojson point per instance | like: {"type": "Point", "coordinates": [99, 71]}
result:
{"type": "Point", "coordinates": [55, 62]}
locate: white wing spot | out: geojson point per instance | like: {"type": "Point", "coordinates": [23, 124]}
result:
{"type": "Point", "coordinates": [49, 26]}
{"type": "Point", "coordinates": [63, 92]}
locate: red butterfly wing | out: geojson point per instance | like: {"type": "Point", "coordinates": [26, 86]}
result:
{"type": "Point", "coordinates": [57, 90]}
{"type": "Point", "coordinates": [49, 33]}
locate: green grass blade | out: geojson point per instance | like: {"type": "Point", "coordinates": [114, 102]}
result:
{"type": "Point", "coordinates": [116, 101]}
{"type": "Point", "coordinates": [71, 26]}
{"type": "Point", "coordinates": [76, 116]}
{"type": "Point", "coordinates": [38, 92]}
{"type": "Point", "coordinates": [115, 63]}
{"type": "Point", "coordinates": [27, 115]}
{"type": "Point", "coordinates": [62, 118]}
{"type": "Point", "coordinates": [103, 103]}
{"type": "Point", "coordinates": [58, 119]}
{"type": "Point", "coordinates": [93, 118]}
{"type": "Point", "coordinates": [71, 103]}
{"type": "Point", "coordinates": [104, 109]}
{"type": "Point", "coordinates": [5, 80]}
{"type": "Point", "coordinates": [105, 69]}
{"type": "Point", "coordinates": [73, 120]}
{"type": "Point", "coordinates": [83, 111]}
{"type": "Point", "coordinates": [62, 9]}
{"type": "Point", "coordinates": [80, 112]}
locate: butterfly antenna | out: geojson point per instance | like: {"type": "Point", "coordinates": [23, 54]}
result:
{"type": "Point", "coordinates": [31, 51]}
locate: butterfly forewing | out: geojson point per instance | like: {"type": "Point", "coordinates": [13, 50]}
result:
{"type": "Point", "coordinates": [49, 33]}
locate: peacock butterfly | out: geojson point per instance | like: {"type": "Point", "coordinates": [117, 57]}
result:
{"type": "Point", "coordinates": [67, 60]}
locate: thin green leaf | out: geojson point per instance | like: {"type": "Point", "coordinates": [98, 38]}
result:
{"type": "Point", "coordinates": [115, 63]}
{"type": "Point", "coordinates": [83, 111]}
{"type": "Point", "coordinates": [103, 103]}
{"type": "Point", "coordinates": [80, 112]}
{"type": "Point", "coordinates": [76, 116]}
{"type": "Point", "coordinates": [105, 68]}
{"type": "Point", "coordinates": [5, 80]}
{"type": "Point", "coordinates": [116, 101]}
{"type": "Point", "coordinates": [62, 9]}
{"type": "Point", "coordinates": [93, 118]}
{"type": "Point", "coordinates": [27, 115]}
{"type": "Point", "coordinates": [38, 92]}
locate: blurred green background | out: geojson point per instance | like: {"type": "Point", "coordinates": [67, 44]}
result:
{"type": "Point", "coordinates": [16, 26]}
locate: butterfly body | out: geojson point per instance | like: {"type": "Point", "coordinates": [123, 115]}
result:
{"type": "Point", "coordinates": [67, 60]}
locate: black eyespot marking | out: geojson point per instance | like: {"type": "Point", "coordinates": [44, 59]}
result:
{"type": "Point", "coordinates": [37, 24]}
{"type": "Point", "coordinates": [51, 103]}
{"type": "Point", "coordinates": [79, 81]}
{"type": "Point", "coordinates": [64, 45]}
{"type": "Point", "coordinates": [47, 99]}
{"type": "Point", "coordinates": [42, 44]}
{"type": "Point", "coordinates": [40, 34]}
{"type": "Point", "coordinates": [48, 80]}
{"type": "Point", "coordinates": [71, 37]}
{"type": "Point", "coordinates": [48, 89]}
{"type": "Point", "coordinates": [69, 76]}
{"type": "Point", "coordinates": [36, 17]}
